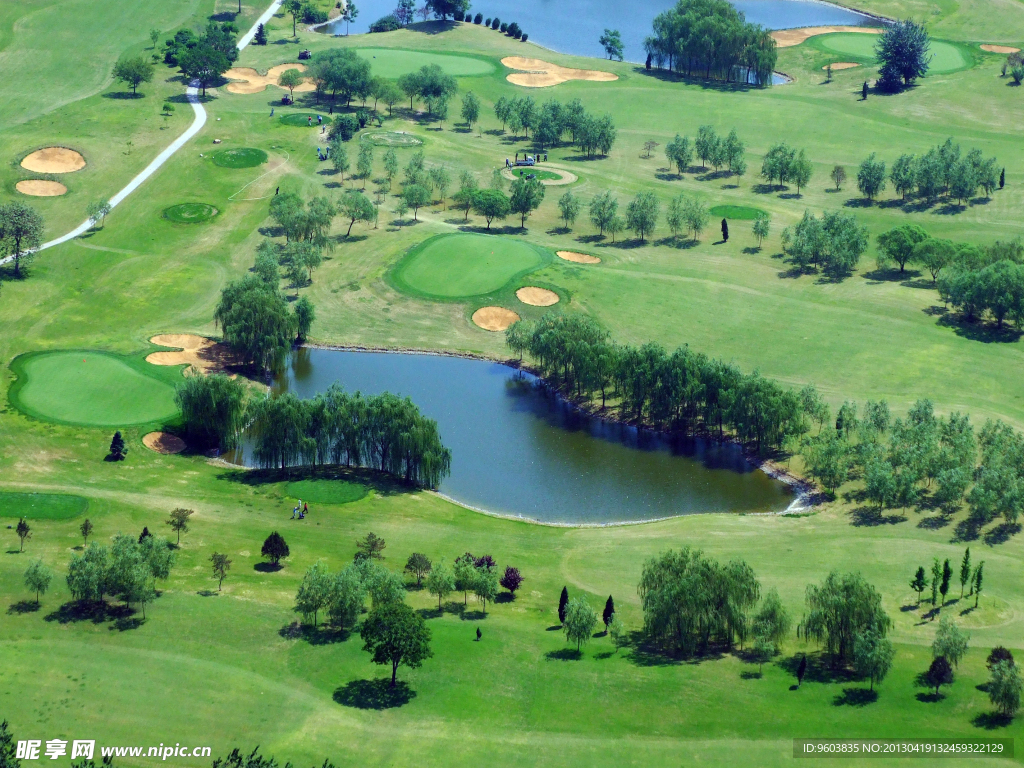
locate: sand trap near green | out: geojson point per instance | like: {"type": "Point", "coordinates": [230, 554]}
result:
{"type": "Point", "coordinates": [463, 265]}
{"type": "Point", "coordinates": [945, 56]}
{"type": "Point", "coordinates": [42, 506]}
{"type": "Point", "coordinates": [392, 63]}
{"type": "Point", "coordinates": [90, 389]}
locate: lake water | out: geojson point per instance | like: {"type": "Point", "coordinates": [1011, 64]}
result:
{"type": "Point", "coordinates": [574, 26]}
{"type": "Point", "coordinates": [517, 450]}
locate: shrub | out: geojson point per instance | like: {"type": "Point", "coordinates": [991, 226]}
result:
{"type": "Point", "coordinates": [488, 22]}
{"type": "Point", "coordinates": [459, 15]}
{"type": "Point", "coordinates": [495, 23]}
{"type": "Point", "coordinates": [525, 36]}
{"type": "Point", "coordinates": [478, 19]}
{"type": "Point", "coordinates": [387, 23]}
{"type": "Point", "coordinates": [503, 27]}
{"type": "Point", "coordinates": [313, 15]}
{"type": "Point", "coordinates": [346, 127]}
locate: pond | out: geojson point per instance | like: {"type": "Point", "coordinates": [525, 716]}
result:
{"type": "Point", "coordinates": [517, 450]}
{"type": "Point", "coordinates": [574, 26]}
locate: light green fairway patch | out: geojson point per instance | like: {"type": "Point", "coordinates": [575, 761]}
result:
{"type": "Point", "coordinates": [392, 63]}
{"type": "Point", "coordinates": [90, 389]}
{"type": "Point", "coordinates": [42, 506]}
{"type": "Point", "coordinates": [946, 57]}
{"type": "Point", "coordinates": [465, 265]}
{"type": "Point", "coordinates": [737, 212]}
{"type": "Point", "coordinates": [324, 491]}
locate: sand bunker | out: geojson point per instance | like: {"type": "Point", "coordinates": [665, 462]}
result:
{"type": "Point", "coordinates": [162, 442]}
{"type": "Point", "coordinates": [999, 48]}
{"type": "Point", "coordinates": [841, 65]}
{"type": "Point", "coordinates": [254, 82]}
{"type": "Point", "coordinates": [206, 355]}
{"type": "Point", "coordinates": [54, 160]}
{"type": "Point", "coordinates": [579, 258]}
{"type": "Point", "coordinates": [537, 297]}
{"type": "Point", "coordinates": [41, 188]}
{"type": "Point", "coordinates": [565, 177]}
{"type": "Point", "coordinates": [785, 38]}
{"type": "Point", "coordinates": [494, 318]}
{"type": "Point", "coordinates": [541, 74]}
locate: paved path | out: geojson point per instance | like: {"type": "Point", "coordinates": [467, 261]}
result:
{"type": "Point", "coordinates": [192, 92]}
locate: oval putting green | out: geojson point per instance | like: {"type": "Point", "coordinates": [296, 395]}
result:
{"type": "Point", "coordinates": [42, 506]}
{"type": "Point", "coordinates": [457, 266]}
{"type": "Point", "coordinates": [244, 157]}
{"type": "Point", "coordinates": [304, 119]}
{"type": "Point", "coordinates": [946, 57]}
{"type": "Point", "coordinates": [324, 491]}
{"type": "Point", "coordinates": [737, 212]}
{"type": "Point", "coordinates": [393, 63]}
{"type": "Point", "coordinates": [190, 213]}
{"type": "Point", "coordinates": [95, 389]}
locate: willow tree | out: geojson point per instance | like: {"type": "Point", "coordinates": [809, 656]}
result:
{"type": "Point", "coordinates": [212, 408]}
{"type": "Point", "coordinates": [255, 320]}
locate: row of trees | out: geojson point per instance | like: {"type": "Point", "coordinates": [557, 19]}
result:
{"type": "Point", "coordinates": [681, 392]}
{"type": "Point", "coordinates": [710, 38]}
{"type": "Point", "coordinates": [127, 569]}
{"type": "Point", "coordinates": [591, 134]}
{"type": "Point", "coordinates": [710, 148]}
{"type": "Point", "coordinates": [833, 243]}
{"type": "Point", "coordinates": [203, 57]}
{"type": "Point", "coordinates": [942, 579]}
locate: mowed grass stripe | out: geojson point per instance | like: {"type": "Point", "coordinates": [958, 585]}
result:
{"type": "Point", "coordinates": [392, 63]}
{"type": "Point", "coordinates": [42, 506]}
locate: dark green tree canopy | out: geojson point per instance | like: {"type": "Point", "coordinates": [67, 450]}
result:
{"type": "Point", "coordinates": [395, 634]}
{"type": "Point", "coordinates": [903, 52]}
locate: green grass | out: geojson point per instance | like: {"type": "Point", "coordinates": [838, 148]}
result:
{"type": "Point", "coordinates": [190, 213]}
{"type": "Point", "coordinates": [461, 266]}
{"type": "Point", "coordinates": [540, 174]}
{"type": "Point", "coordinates": [301, 119]}
{"type": "Point", "coordinates": [42, 506]}
{"type": "Point", "coordinates": [737, 212]}
{"type": "Point", "coordinates": [391, 139]}
{"type": "Point", "coordinates": [90, 388]}
{"type": "Point", "coordinates": [391, 63]}
{"type": "Point", "coordinates": [245, 157]}
{"type": "Point", "coordinates": [946, 57]}
{"type": "Point", "coordinates": [326, 491]}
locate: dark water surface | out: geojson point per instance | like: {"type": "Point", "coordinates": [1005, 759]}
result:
{"type": "Point", "coordinates": [517, 450]}
{"type": "Point", "coordinates": [574, 26]}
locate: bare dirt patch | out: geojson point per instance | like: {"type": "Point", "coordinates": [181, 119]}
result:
{"type": "Point", "coordinates": [41, 188]}
{"type": "Point", "coordinates": [538, 73]}
{"type": "Point", "coordinates": [841, 65]}
{"type": "Point", "coordinates": [53, 160]}
{"type": "Point", "coordinates": [494, 318]}
{"type": "Point", "coordinates": [578, 258]}
{"type": "Point", "coordinates": [786, 38]}
{"type": "Point", "coordinates": [537, 297]}
{"type": "Point", "coordinates": [165, 443]}
{"type": "Point", "coordinates": [248, 80]}
{"type": "Point", "coordinates": [205, 354]}
{"type": "Point", "coordinates": [999, 48]}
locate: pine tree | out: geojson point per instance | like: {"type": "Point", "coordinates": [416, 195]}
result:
{"type": "Point", "coordinates": [609, 611]}
{"type": "Point", "coordinates": [864, 91]}
{"type": "Point", "coordinates": [977, 581]}
{"type": "Point", "coordinates": [725, 231]}
{"type": "Point", "coordinates": [117, 448]}
{"type": "Point", "coordinates": [563, 601]}
{"type": "Point", "coordinates": [801, 670]}
{"type": "Point", "coordinates": [947, 576]}
{"type": "Point", "coordinates": [919, 583]}
{"type": "Point", "coordinates": [965, 571]}
{"type": "Point", "coordinates": [936, 579]}
{"type": "Point", "coordinates": [1002, 178]}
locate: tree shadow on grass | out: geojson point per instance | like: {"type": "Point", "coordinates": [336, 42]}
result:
{"type": "Point", "coordinates": [374, 694]}
{"type": "Point", "coordinates": [931, 697]}
{"type": "Point", "coordinates": [123, 95]}
{"type": "Point", "coordinates": [979, 331]}
{"type": "Point", "coordinates": [321, 634]}
{"type": "Point", "coordinates": [381, 483]}
{"type": "Point", "coordinates": [990, 721]}
{"type": "Point", "coordinates": [871, 516]}
{"type": "Point", "coordinates": [935, 522]}
{"type": "Point", "coordinates": [96, 611]}
{"type": "Point", "coordinates": [476, 615]}
{"type": "Point", "coordinates": [818, 669]}
{"type": "Point", "coordinates": [855, 697]}
{"type": "Point", "coordinates": [127, 623]}
{"type": "Point", "coordinates": [1001, 533]}
{"type": "Point", "coordinates": [748, 674]}
{"type": "Point", "coordinates": [967, 529]}
{"type": "Point", "coordinates": [564, 654]}
{"type": "Point", "coordinates": [267, 567]}
{"type": "Point", "coordinates": [23, 606]}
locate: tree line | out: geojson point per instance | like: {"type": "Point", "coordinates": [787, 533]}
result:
{"type": "Point", "coordinates": [710, 148]}
{"type": "Point", "coordinates": [593, 135]}
{"type": "Point", "coordinates": [711, 39]}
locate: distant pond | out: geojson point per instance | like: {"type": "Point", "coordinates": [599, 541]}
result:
{"type": "Point", "coordinates": [574, 26]}
{"type": "Point", "coordinates": [518, 450]}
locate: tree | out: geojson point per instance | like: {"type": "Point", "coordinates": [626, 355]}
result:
{"type": "Point", "coordinates": [801, 670]}
{"type": "Point", "coordinates": [998, 654]}
{"type": "Point", "coordinates": [294, 7]}
{"type": "Point", "coordinates": [370, 548]}
{"type": "Point", "coordinates": [950, 641]}
{"type": "Point", "coordinates": [838, 176]}
{"type": "Point", "coordinates": [203, 63]}
{"type": "Point", "coordinates": [291, 79]}
{"type": "Point", "coordinates": [939, 673]}
{"type": "Point", "coordinates": [441, 180]}
{"type": "Point", "coordinates": [603, 209]}
{"type": "Point", "coordinates": [98, 211]}
{"type": "Point", "coordinates": [275, 548]}
{"type": "Point", "coordinates": [935, 254]}
{"type": "Point", "coordinates": [762, 227]}
{"type": "Point", "coordinates": [365, 162]}
{"type": "Point", "coordinates": [864, 91]}
{"type": "Point", "coordinates": [679, 153]}
{"type": "Point", "coordinates": [936, 581]}
{"type": "Point", "coordinates": [491, 204]}
{"type": "Point", "coordinates": [725, 231]}
{"type": "Point", "coordinates": [919, 583]}
{"type": "Point", "coordinates": [965, 571]}
{"type": "Point", "coordinates": [615, 225]}
{"type": "Point", "coordinates": [580, 620]}
{"type": "Point", "coordinates": [38, 578]}
{"type": "Point", "coordinates": [898, 244]}
{"type": "Point", "coordinates": [212, 409]}
{"type": "Point", "coordinates": [221, 565]}
{"type": "Point", "coordinates": [569, 208]}
{"type": "Point", "coordinates": [642, 214]}
{"type": "Point", "coordinates": [305, 314]}
{"type": "Point", "coordinates": [85, 529]}
{"type": "Point", "coordinates": [618, 632]}
{"type": "Point", "coordinates": [134, 70]}
{"type": "Point", "coordinates": [314, 591]}
{"type": "Point", "coordinates": [525, 197]}
{"type": "Point", "coordinates": [356, 206]}
{"type": "Point", "coordinates": [772, 621]}
{"type": "Point", "coordinates": [470, 109]}
{"type": "Point", "coordinates": [416, 196]}
{"type": "Point", "coordinates": [21, 232]}
{"type": "Point", "coordinates": [871, 177]}
{"type": "Point", "coordinates": [839, 609]}
{"type": "Point", "coordinates": [485, 586]}
{"type": "Point", "coordinates": [1004, 689]}
{"type": "Point", "coordinates": [350, 14]}
{"type": "Point", "coordinates": [418, 565]}
{"type": "Point", "coordinates": [902, 51]}
{"type": "Point", "coordinates": [179, 521]}
{"type": "Point", "coordinates": [255, 321]}
{"type": "Point", "coordinates": [801, 170]}
{"type": "Point", "coordinates": [440, 582]}
{"type": "Point", "coordinates": [978, 575]}
{"type": "Point", "coordinates": [395, 634]}
{"type": "Point", "coordinates": [872, 655]}
{"type": "Point", "coordinates": [947, 575]}
{"type": "Point", "coordinates": [611, 41]}
{"type": "Point", "coordinates": [563, 601]}
{"type": "Point", "coordinates": [260, 38]}
{"type": "Point", "coordinates": [777, 162]}
{"type": "Point", "coordinates": [511, 580]}
{"type": "Point", "coordinates": [608, 612]}
{"type": "Point", "coordinates": [904, 175]}
{"type": "Point", "coordinates": [762, 650]}
{"type": "Point", "coordinates": [24, 531]}
{"type": "Point", "coordinates": [465, 575]}
{"type": "Point", "coordinates": [118, 450]}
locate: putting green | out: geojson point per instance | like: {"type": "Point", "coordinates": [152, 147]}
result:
{"type": "Point", "coordinates": [42, 506]}
{"type": "Point", "coordinates": [323, 491]}
{"type": "Point", "coordinates": [736, 212]}
{"type": "Point", "coordinates": [946, 57]}
{"type": "Point", "coordinates": [90, 389]}
{"type": "Point", "coordinates": [190, 213]}
{"type": "Point", "coordinates": [540, 174]}
{"type": "Point", "coordinates": [245, 157]}
{"type": "Point", "coordinates": [304, 119]}
{"type": "Point", "coordinates": [462, 265]}
{"type": "Point", "coordinates": [392, 63]}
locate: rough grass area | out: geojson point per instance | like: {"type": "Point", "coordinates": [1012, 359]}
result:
{"type": "Point", "coordinates": [42, 506]}
{"type": "Point", "coordinates": [190, 213]}
{"type": "Point", "coordinates": [246, 157]}
{"type": "Point", "coordinates": [323, 491]}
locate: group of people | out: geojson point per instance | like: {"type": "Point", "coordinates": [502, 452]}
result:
{"type": "Point", "coordinates": [325, 154]}
{"type": "Point", "coordinates": [300, 511]}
